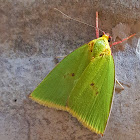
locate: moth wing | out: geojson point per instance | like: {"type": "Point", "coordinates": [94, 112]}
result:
{"type": "Point", "coordinates": [55, 89]}
{"type": "Point", "coordinates": [91, 98]}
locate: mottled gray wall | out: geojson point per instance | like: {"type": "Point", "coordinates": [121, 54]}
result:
{"type": "Point", "coordinates": [32, 34]}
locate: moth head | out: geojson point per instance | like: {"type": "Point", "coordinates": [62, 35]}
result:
{"type": "Point", "coordinates": [107, 36]}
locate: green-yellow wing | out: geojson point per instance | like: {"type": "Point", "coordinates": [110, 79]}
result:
{"type": "Point", "coordinates": [90, 100]}
{"type": "Point", "coordinates": [55, 89]}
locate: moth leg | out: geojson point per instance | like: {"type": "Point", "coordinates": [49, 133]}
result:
{"type": "Point", "coordinates": [97, 29]}
{"type": "Point", "coordinates": [115, 43]}
{"type": "Point", "coordinates": [119, 84]}
{"type": "Point", "coordinates": [60, 56]}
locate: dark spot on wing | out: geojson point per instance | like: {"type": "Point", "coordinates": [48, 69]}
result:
{"type": "Point", "coordinates": [92, 84]}
{"type": "Point", "coordinates": [94, 88]}
{"type": "Point", "coordinates": [73, 74]}
{"type": "Point", "coordinates": [101, 54]}
{"type": "Point", "coordinates": [69, 74]}
{"type": "Point", "coordinates": [96, 93]}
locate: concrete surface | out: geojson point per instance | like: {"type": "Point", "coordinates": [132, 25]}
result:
{"type": "Point", "coordinates": [32, 34]}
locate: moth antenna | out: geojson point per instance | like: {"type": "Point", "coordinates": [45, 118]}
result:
{"type": "Point", "coordinates": [77, 20]}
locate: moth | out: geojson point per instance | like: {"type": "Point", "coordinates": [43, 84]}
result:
{"type": "Point", "coordinates": [83, 83]}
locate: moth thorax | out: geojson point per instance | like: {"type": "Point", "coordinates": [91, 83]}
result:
{"type": "Point", "coordinates": [100, 47]}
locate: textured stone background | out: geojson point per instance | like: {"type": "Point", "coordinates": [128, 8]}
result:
{"type": "Point", "coordinates": [32, 34]}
